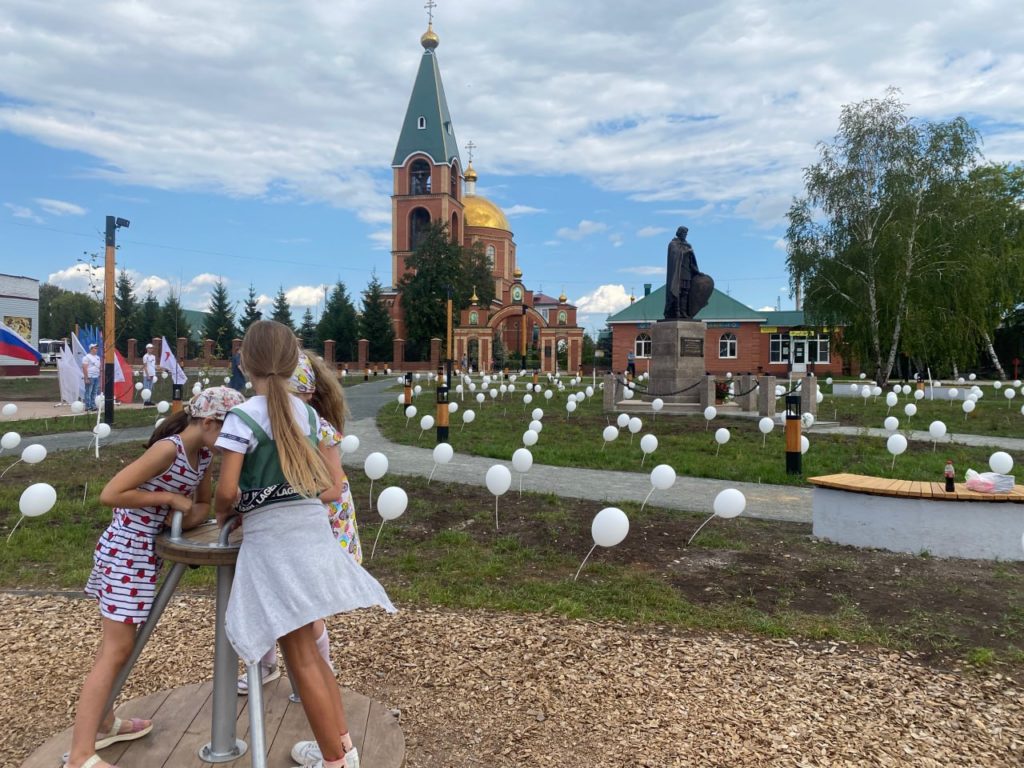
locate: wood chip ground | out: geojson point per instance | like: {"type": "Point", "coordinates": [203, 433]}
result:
{"type": "Point", "coordinates": [482, 689]}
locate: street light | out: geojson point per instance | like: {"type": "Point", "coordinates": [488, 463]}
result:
{"type": "Point", "coordinates": [113, 224]}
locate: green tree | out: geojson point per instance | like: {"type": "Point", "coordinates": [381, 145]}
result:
{"type": "Point", "coordinates": [219, 324]}
{"type": "Point", "coordinates": [876, 224]}
{"type": "Point", "coordinates": [250, 310]}
{"type": "Point", "coordinates": [171, 322]}
{"type": "Point", "coordinates": [282, 310]}
{"type": "Point", "coordinates": [60, 310]}
{"type": "Point", "coordinates": [375, 323]}
{"type": "Point", "coordinates": [338, 322]}
{"type": "Point", "coordinates": [307, 330]}
{"type": "Point", "coordinates": [148, 319]}
{"type": "Point", "coordinates": [435, 267]}
{"type": "Point", "coordinates": [126, 308]}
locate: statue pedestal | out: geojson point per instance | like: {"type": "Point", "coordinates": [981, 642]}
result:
{"type": "Point", "coordinates": [677, 361]}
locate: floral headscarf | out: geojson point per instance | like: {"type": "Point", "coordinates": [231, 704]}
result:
{"type": "Point", "coordinates": [303, 380]}
{"type": "Point", "coordinates": [214, 402]}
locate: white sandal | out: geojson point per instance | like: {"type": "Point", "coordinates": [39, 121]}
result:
{"type": "Point", "coordinates": [137, 732]}
{"type": "Point", "coordinates": [92, 762]}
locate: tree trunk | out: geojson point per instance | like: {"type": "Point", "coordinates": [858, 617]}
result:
{"type": "Point", "coordinates": [993, 356]}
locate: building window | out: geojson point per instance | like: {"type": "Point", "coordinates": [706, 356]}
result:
{"type": "Point", "coordinates": [490, 256]}
{"type": "Point", "coordinates": [453, 181]}
{"type": "Point", "coordinates": [474, 318]}
{"type": "Point", "coordinates": [642, 346]}
{"type": "Point", "coordinates": [727, 345]}
{"type": "Point", "coordinates": [818, 349]}
{"type": "Point", "coordinates": [421, 123]}
{"type": "Point", "coordinates": [562, 317]}
{"type": "Point", "coordinates": [419, 177]}
{"type": "Point", "coordinates": [419, 222]}
{"type": "Point", "coordinates": [778, 349]}
{"type": "Point", "coordinates": [455, 228]}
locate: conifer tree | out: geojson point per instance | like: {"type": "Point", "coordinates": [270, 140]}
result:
{"type": "Point", "coordinates": [375, 323]}
{"type": "Point", "coordinates": [219, 324]}
{"type": "Point", "coordinates": [148, 319]}
{"type": "Point", "coordinates": [282, 310]}
{"type": "Point", "coordinates": [307, 330]}
{"type": "Point", "coordinates": [338, 322]}
{"type": "Point", "coordinates": [250, 311]}
{"type": "Point", "coordinates": [126, 308]}
{"type": "Point", "coordinates": [172, 322]}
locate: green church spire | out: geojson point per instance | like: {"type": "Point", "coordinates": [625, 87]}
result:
{"type": "Point", "coordinates": [428, 124]}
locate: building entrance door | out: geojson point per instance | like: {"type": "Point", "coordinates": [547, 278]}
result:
{"type": "Point", "coordinates": [799, 355]}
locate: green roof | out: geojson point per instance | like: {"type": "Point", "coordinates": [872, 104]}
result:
{"type": "Point", "coordinates": [437, 139]}
{"type": "Point", "coordinates": [651, 308]}
{"type": "Point", "coordinates": [788, 318]}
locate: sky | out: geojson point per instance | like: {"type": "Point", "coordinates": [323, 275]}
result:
{"type": "Point", "coordinates": [251, 140]}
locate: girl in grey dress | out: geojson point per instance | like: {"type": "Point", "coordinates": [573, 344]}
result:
{"type": "Point", "coordinates": [290, 570]}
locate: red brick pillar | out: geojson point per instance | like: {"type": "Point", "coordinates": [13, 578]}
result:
{"type": "Point", "coordinates": [207, 350]}
{"type": "Point", "coordinates": [435, 353]}
{"type": "Point", "coordinates": [133, 351]}
{"type": "Point", "coordinates": [398, 356]}
{"type": "Point", "coordinates": [329, 346]}
{"type": "Point", "coordinates": [181, 350]}
{"type": "Point", "coordinates": [364, 353]}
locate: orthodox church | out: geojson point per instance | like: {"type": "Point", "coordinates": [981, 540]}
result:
{"type": "Point", "coordinates": [430, 186]}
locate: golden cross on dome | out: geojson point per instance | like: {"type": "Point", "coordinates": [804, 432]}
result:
{"type": "Point", "coordinates": [430, 5]}
{"type": "Point", "coordinates": [470, 146]}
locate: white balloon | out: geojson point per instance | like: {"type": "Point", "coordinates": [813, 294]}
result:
{"type": "Point", "coordinates": [468, 416]}
{"type": "Point", "coordinates": [527, 398]}
{"type": "Point", "coordinates": [10, 440]}
{"type": "Point", "coordinates": [953, 392]}
{"type": "Point", "coordinates": [896, 388]}
{"type": "Point", "coordinates": [197, 388]}
{"type": "Point", "coordinates": [410, 411]}
{"type": "Point", "coordinates": [919, 394]}
{"type": "Point", "coordinates": [498, 479]}
{"type": "Point", "coordinates": [537, 414]}
{"type": "Point", "coordinates": [101, 430]}
{"type": "Point", "coordinates": [10, 409]}
{"type": "Point", "coordinates": [805, 444]}
{"type": "Point", "coordinates": [163, 406]}
{"type": "Point", "coordinates": [537, 426]}
{"type": "Point", "coordinates": [635, 425]}
{"type": "Point", "coordinates": [968, 406]}
{"type": "Point", "coordinates": [392, 502]}
{"type": "Point", "coordinates": [138, 387]}
{"type": "Point", "coordinates": [807, 420]}
{"type": "Point", "coordinates": [77, 407]}
{"type": "Point", "coordinates": [622, 420]}
{"type": "Point", "coordinates": [829, 381]}
{"type": "Point", "coordinates": [891, 399]}
{"type": "Point", "coordinates": [570, 406]}
{"type": "Point", "coordinates": [710, 412]}
{"type": "Point", "coordinates": [997, 384]}
{"type": "Point", "coordinates": [819, 396]}
{"type": "Point", "coordinates": [876, 391]}
{"type": "Point", "coordinates": [522, 460]}
{"type": "Point", "coordinates": [866, 392]}
{"type": "Point", "coordinates": [493, 393]}
{"type": "Point", "coordinates": [459, 389]}
{"type": "Point", "coordinates": [722, 436]}
{"type": "Point", "coordinates": [610, 527]}
{"type": "Point", "coordinates": [37, 499]}
{"type": "Point", "coordinates": [417, 389]}
{"type": "Point", "coordinates": [657, 404]}
{"type": "Point", "coordinates": [427, 422]}
{"type": "Point", "coordinates": [891, 424]}
{"type": "Point", "coordinates": [548, 394]}
{"type": "Point", "coordinates": [1001, 462]}
{"type": "Point", "coordinates": [146, 394]}
{"type": "Point", "coordinates": [480, 397]}
{"type": "Point", "coordinates": [530, 437]}
{"type": "Point", "coordinates": [248, 385]}
{"type": "Point", "coordinates": [349, 444]}
{"type": "Point", "coordinates": [453, 407]}
{"type": "Point", "coordinates": [896, 444]}
{"type": "Point", "coordinates": [33, 454]}
{"type": "Point", "coordinates": [375, 465]}
{"type": "Point", "coordinates": [973, 397]}
{"type": "Point", "coordinates": [610, 433]}
{"type": "Point", "coordinates": [628, 394]}
{"type": "Point", "coordinates": [443, 453]}
{"type": "Point", "coordinates": [158, 422]}
{"type": "Point", "coordinates": [781, 390]}
{"type": "Point", "coordinates": [972, 376]}
{"type": "Point", "coordinates": [863, 375]}
{"type": "Point", "coordinates": [729, 503]}
{"type": "Point", "coordinates": [99, 401]}
{"type": "Point", "coordinates": [227, 379]}
{"type": "Point", "coordinates": [937, 429]}
{"type": "Point", "coordinates": [766, 425]}
{"type": "Point", "coordinates": [663, 477]}
{"type": "Point", "coordinates": [589, 391]}
{"type": "Point", "coordinates": [401, 399]}
{"type": "Point", "coordinates": [164, 375]}
{"type": "Point", "coordinates": [910, 409]}
{"type": "Point", "coordinates": [648, 443]}
{"type": "Point", "coordinates": [1009, 393]}
{"type": "Point", "coordinates": [571, 398]}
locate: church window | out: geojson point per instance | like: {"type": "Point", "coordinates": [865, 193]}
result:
{"type": "Point", "coordinates": [453, 182]}
{"type": "Point", "coordinates": [490, 256]}
{"type": "Point", "coordinates": [642, 346]}
{"type": "Point", "coordinates": [455, 228]}
{"type": "Point", "coordinates": [421, 123]}
{"type": "Point", "coordinates": [727, 345]}
{"type": "Point", "coordinates": [562, 317]}
{"type": "Point", "coordinates": [419, 177]}
{"type": "Point", "coordinates": [419, 222]}
{"type": "Point", "coordinates": [474, 318]}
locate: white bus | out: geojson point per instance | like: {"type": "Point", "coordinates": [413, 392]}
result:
{"type": "Point", "coordinates": [49, 349]}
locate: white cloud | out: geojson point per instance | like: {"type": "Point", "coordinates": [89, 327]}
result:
{"type": "Point", "coordinates": [60, 207]}
{"type": "Point", "coordinates": [158, 285]}
{"type": "Point", "coordinates": [779, 244]}
{"type": "Point", "coordinates": [603, 300]}
{"type": "Point", "coordinates": [381, 240]}
{"type": "Point", "coordinates": [651, 271]}
{"type": "Point", "coordinates": [766, 308]}
{"type": "Point", "coordinates": [21, 212]}
{"type": "Point", "coordinates": [303, 296]}
{"type": "Point", "coordinates": [615, 239]}
{"type": "Point", "coordinates": [581, 230]}
{"type": "Point", "coordinates": [521, 210]}
{"type": "Point", "coordinates": [202, 281]}
{"type": "Point", "coordinates": [80, 278]}
{"type": "Point", "coordinates": [651, 231]}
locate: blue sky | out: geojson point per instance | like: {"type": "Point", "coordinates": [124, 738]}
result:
{"type": "Point", "coordinates": [252, 140]}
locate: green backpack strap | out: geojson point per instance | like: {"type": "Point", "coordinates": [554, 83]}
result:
{"type": "Point", "coordinates": [250, 422]}
{"type": "Point", "coordinates": [314, 425]}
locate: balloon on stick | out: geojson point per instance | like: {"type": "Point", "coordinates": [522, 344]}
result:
{"type": "Point", "coordinates": [1001, 463]}
{"type": "Point", "coordinates": [467, 418]}
{"type": "Point", "coordinates": [536, 426]}
{"type": "Point", "coordinates": [410, 411]}
{"type": "Point", "coordinates": [376, 466]}
{"type": "Point", "coordinates": [609, 528]}
{"type": "Point", "coordinates": [709, 415]}
{"type": "Point", "coordinates": [163, 406]}
{"type": "Point", "coordinates": [656, 405]}
{"type": "Point", "coordinates": [537, 414]}
{"type": "Point", "coordinates": [622, 420]}
{"type": "Point", "coordinates": [968, 406]}
{"type": "Point", "coordinates": [891, 400]}
{"type": "Point", "coordinates": [635, 425]}
{"type": "Point", "coordinates": [663, 477]}
{"type": "Point", "coordinates": [609, 434]}
{"type": "Point", "coordinates": [648, 444]}
{"type": "Point", "coordinates": [349, 444]}
{"type": "Point", "coordinates": [937, 430]}
{"type": "Point", "coordinates": [891, 423]}
{"type": "Point", "coordinates": [10, 440]}
{"type": "Point", "coordinates": [498, 480]}
{"type": "Point", "coordinates": [36, 500]}
{"type": "Point", "coordinates": [896, 444]}
{"type": "Point", "coordinates": [391, 503]}
{"type": "Point", "coordinates": [530, 438]}
{"type": "Point", "coordinates": [728, 504]}
{"type": "Point", "coordinates": [427, 422]}
{"type": "Point", "coordinates": [102, 432]}
{"type": "Point", "coordinates": [765, 425]}
{"type": "Point", "coordinates": [443, 453]}
{"type": "Point", "coordinates": [910, 409]}
{"type": "Point", "coordinates": [522, 460]}
{"type": "Point", "coordinates": [1009, 393]}
{"type": "Point", "coordinates": [721, 437]}
{"type": "Point", "coordinates": [805, 444]}
{"type": "Point", "coordinates": [32, 454]}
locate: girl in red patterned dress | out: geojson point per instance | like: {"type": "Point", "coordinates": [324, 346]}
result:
{"type": "Point", "coordinates": [170, 475]}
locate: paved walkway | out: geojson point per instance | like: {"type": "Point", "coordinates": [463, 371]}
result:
{"type": "Point", "coordinates": [770, 502]}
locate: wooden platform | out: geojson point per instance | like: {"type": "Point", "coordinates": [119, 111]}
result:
{"type": "Point", "coordinates": [182, 726]}
{"type": "Point", "coordinates": [911, 489]}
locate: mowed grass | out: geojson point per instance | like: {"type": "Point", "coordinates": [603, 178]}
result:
{"type": "Point", "coordinates": [687, 443]}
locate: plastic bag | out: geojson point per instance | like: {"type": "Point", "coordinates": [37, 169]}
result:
{"type": "Point", "coordinates": [989, 482]}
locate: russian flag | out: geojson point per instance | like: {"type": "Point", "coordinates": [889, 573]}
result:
{"type": "Point", "coordinates": [12, 345]}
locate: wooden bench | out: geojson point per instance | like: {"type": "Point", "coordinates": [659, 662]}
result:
{"type": "Point", "coordinates": [915, 516]}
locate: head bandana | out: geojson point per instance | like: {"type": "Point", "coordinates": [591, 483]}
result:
{"type": "Point", "coordinates": [303, 380]}
{"type": "Point", "coordinates": [213, 403]}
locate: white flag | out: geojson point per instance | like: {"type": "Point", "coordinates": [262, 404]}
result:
{"type": "Point", "coordinates": [170, 363]}
{"type": "Point", "coordinates": [77, 349]}
{"type": "Point", "coordinates": [69, 375]}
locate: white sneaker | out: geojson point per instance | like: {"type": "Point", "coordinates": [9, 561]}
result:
{"type": "Point", "coordinates": [268, 672]}
{"type": "Point", "coordinates": [307, 755]}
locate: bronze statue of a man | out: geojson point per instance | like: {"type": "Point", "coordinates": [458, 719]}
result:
{"type": "Point", "coordinates": [682, 268]}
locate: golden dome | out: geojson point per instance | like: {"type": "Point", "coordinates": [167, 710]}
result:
{"type": "Point", "coordinates": [430, 40]}
{"type": "Point", "coordinates": [481, 212]}
{"type": "Point", "coordinates": [517, 273]}
{"type": "Point", "coordinates": [470, 174]}
{"type": "Point", "coordinates": [562, 298]}
{"type": "Point", "coordinates": [474, 298]}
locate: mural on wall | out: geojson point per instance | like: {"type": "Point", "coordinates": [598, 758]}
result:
{"type": "Point", "coordinates": [21, 325]}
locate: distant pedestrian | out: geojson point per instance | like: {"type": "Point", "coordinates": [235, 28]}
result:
{"type": "Point", "coordinates": [91, 372]}
{"type": "Point", "coordinates": [237, 376]}
{"type": "Point", "coordinates": [149, 372]}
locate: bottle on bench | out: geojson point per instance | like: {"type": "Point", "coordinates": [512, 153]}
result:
{"type": "Point", "coordinates": [950, 474]}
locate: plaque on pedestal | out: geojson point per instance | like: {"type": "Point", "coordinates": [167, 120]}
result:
{"type": "Point", "coordinates": [677, 360]}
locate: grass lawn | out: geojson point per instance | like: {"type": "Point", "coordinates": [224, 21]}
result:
{"type": "Point", "coordinates": [766, 578]}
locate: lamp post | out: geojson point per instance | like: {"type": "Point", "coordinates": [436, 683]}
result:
{"type": "Point", "coordinates": [522, 342]}
{"type": "Point", "coordinates": [793, 454]}
{"type": "Point", "coordinates": [113, 224]}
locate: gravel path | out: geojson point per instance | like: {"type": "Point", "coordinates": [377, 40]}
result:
{"type": "Point", "coordinates": [479, 689]}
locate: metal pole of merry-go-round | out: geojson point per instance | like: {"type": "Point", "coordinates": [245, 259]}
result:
{"type": "Point", "coordinates": [108, 316]}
